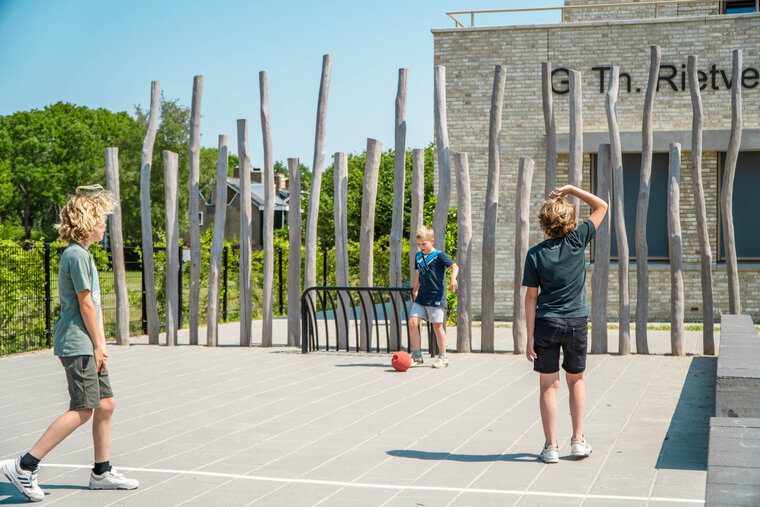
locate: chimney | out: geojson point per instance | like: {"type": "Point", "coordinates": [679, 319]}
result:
{"type": "Point", "coordinates": [257, 176]}
{"type": "Point", "coordinates": [277, 181]}
{"type": "Point", "coordinates": [236, 172]}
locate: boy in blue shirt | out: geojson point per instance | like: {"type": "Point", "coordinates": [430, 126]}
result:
{"type": "Point", "coordinates": [429, 295]}
{"type": "Point", "coordinates": [557, 315]}
{"type": "Point", "coordinates": [80, 344]}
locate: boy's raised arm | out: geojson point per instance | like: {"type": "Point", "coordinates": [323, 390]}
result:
{"type": "Point", "coordinates": [598, 206]}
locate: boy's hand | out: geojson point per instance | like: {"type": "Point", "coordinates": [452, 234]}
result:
{"type": "Point", "coordinates": [101, 355]}
{"type": "Point", "coordinates": [529, 351]}
{"type": "Point", "coordinates": [454, 285]}
{"type": "Point", "coordinates": [561, 191]}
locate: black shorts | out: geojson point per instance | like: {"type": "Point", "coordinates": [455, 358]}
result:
{"type": "Point", "coordinates": [552, 333]}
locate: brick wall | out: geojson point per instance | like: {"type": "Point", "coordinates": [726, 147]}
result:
{"type": "Point", "coordinates": [645, 10]}
{"type": "Point", "coordinates": [470, 55]}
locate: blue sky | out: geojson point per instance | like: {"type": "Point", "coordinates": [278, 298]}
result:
{"type": "Point", "coordinates": [100, 53]}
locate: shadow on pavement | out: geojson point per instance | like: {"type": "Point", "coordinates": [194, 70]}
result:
{"type": "Point", "coordinates": [472, 458]}
{"type": "Point", "coordinates": [685, 445]}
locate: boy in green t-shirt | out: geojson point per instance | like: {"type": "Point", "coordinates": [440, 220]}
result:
{"type": "Point", "coordinates": [80, 344]}
{"type": "Point", "coordinates": [557, 315]}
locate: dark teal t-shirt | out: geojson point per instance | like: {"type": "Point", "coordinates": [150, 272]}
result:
{"type": "Point", "coordinates": [557, 266]}
{"type": "Point", "coordinates": [432, 272]}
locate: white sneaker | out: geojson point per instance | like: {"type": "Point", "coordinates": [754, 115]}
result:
{"type": "Point", "coordinates": [112, 480]}
{"type": "Point", "coordinates": [579, 448]}
{"type": "Point", "coordinates": [24, 480]}
{"type": "Point", "coordinates": [549, 454]}
{"type": "Point", "coordinates": [441, 362]}
{"type": "Point", "coordinates": [417, 360]}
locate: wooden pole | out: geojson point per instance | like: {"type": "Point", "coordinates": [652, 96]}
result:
{"type": "Point", "coordinates": [195, 231]}
{"type": "Point", "coordinates": [727, 189]}
{"type": "Point", "coordinates": [217, 244]}
{"type": "Point", "coordinates": [171, 203]}
{"type": "Point", "coordinates": [550, 128]}
{"type": "Point", "coordinates": [616, 162]}
{"type": "Point", "coordinates": [708, 339]}
{"type": "Point", "coordinates": [268, 225]}
{"type": "Point", "coordinates": [490, 213]}
{"type": "Point", "coordinates": [117, 249]}
{"type": "Point", "coordinates": [575, 172]}
{"type": "Point", "coordinates": [443, 197]}
{"type": "Point", "coordinates": [675, 248]}
{"type": "Point", "coordinates": [397, 220]}
{"type": "Point", "coordinates": [246, 311]}
{"type": "Point", "coordinates": [418, 203]}
{"type": "Point", "coordinates": [310, 267]}
{"type": "Point", "coordinates": [294, 253]}
{"type": "Point", "coordinates": [340, 212]}
{"type": "Point", "coordinates": [600, 275]}
{"type": "Point", "coordinates": [367, 233]}
{"type": "Point", "coordinates": [464, 253]}
{"type": "Point", "coordinates": [642, 207]}
{"type": "Point", "coordinates": [146, 162]}
{"type": "Point", "coordinates": [522, 238]}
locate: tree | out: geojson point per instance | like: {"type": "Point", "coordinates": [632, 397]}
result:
{"type": "Point", "coordinates": [45, 154]}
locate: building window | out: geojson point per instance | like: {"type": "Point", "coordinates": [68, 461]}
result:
{"type": "Point", "coordinates": [738, 6]}
{"type": "Point", "coordinates": [746, 217]}
{"type": "Point", "coordinates": [657, 226]}
{"type": "Point", "coordinates": [200, 218]}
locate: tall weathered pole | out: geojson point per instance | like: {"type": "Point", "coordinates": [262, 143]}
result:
{"type": "Point", "coordinates": [294, 253]}
{"type": "Point", "coordinates": [117, 249]}
{"type": "Point", "coordinates": [464, 253]}
{"type": "Point", "coordinates": [443, 196]}
{"type": "Point", "coordinates": [418, 203]}
{"type": "Point", "coordinates": [171, 203]}
{"type": "Point", "coordinates": [550, 128]}
{"type": "Point", "coordinates": [217, 243]}
{"type": "Point", "coordinates": [310, 266]}
{"type": "Point", "coordinates": [367, 234]}
{"type": "Point", "coordinates": [522, 238]}
{"type": "Point", "coordinates": [642, 207]}
{"type": "Point", "coordinates": [146, 162]}
{"type": "Point", "coordinates": [397, 220]}
{"type": "Point", "coordinates": [487, 294]}
{"type": "Point", "coordinates": [575, 170]}
{"type": "Point", "coordinates": [675, 249]}
{"type": "Point", "coordinates": [268, 225]}
{"type": "Point", "coordinates": [616, 162]}
{"type": "Point", "coordinates": [340, 212]}
{"type": "Point", "coordinates": [727, 190]}
{"type": "Point", "coordinates": [600, 275]}
{"type": "Point", "coordinates": [244, 161]}
{"type": "Point", "coordinates": [708, 340]}
{"type": "Point", "coordinates": [195, 231]}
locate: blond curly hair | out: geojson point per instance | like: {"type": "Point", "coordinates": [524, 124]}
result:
{"type": "Point", "coordinates": [558, 217]}
{"type": "Point", "coordinates": [83, 212]}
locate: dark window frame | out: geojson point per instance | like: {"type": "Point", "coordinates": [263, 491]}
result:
{"type": "Point", "coordinates": [721, 253]}
{"type": "Point", "coordinates": [737, 6]}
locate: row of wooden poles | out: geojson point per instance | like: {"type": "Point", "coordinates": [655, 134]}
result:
{"type": "Point", "coordinates": [609, 187]}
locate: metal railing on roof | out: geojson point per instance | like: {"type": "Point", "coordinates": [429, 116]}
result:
{"type": "Point", "coordinates": [564, 8]}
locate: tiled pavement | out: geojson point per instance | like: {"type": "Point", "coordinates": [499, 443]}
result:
{"type": "Point", "coordinates": [231, 426]}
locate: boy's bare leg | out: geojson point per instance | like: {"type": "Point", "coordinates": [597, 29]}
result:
{"type": "Point", "coordinates": [549, 383]}
{"type": "Point", "coordinates": [577, 387]}
{"type": "Point", "coordinates": [414, 332]}
{"type": "Point", "coordinates": [101, 429]}
{"type": "Point", "coordinates": [58, 431]}
{"type": "Point", "coordinates": [440, 337]}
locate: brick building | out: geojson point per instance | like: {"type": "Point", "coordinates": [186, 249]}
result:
{"type": "Point", "coordinates": [590, 40]}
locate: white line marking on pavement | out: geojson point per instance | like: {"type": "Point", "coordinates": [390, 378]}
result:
{"type": "Point", "coordinates": [395, 486]}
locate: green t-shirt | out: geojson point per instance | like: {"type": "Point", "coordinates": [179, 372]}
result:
{"type": "Point", "coordinates": [76, 273]}
{"type": "Point", "coordinates": [557, 267]}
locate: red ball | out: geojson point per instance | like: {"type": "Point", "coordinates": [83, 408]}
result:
{"type": "Point", "coordinates": [401, 361]}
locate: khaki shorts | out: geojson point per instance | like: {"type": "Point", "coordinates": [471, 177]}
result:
{"type": "Point", "coordinates": [86, 385]}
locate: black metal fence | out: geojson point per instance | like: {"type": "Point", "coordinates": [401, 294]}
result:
{"type": "Point", "coordinates": [29, 301]}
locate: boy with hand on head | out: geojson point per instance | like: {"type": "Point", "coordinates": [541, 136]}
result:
{"type": "Point", "coordinates": [80, 344]}
{"type": "Point", "coordinates": [556, 311]}
{"type": "Point", "coordinates": [429, 295]}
